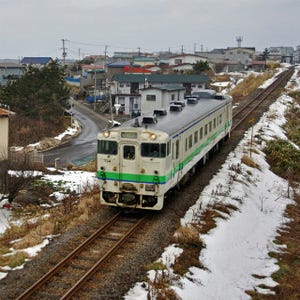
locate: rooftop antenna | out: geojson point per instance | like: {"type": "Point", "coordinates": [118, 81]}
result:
{"type": "Point", "coordinates": [239, 40]}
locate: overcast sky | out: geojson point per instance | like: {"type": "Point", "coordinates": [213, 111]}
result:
{"type": "Point", "coordinates": [37, 27]}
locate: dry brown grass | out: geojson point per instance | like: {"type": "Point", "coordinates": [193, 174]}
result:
{"type": "Point", "coordinates": [248, 85]}
{"type": "Point", "coordinates": [36, 226]}
{"type": "Point", "coordinates": [248, 161]}
{"type": "Point", "coordinates": [14, 260]}
{"type": "Point", "coordinates": [159, 288]}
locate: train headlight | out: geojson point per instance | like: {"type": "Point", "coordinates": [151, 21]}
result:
{"type": "Point", "coordinates": [153, 136]}
{"type": "Point", "coordinates": [106, 133]}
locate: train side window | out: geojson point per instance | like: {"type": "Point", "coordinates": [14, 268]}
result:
{"type": "Point", "coordinates": [190, 141]}
{"type": "Point", "coordinates": [153, 150]}
{"type": "Point", "coordinates": [168, 148]}
{"type": "Point", "coordinates": [196, 137]}
{"type": "Point", "coordinates": [173, 151]}
{"type": "Point", "coordinates": [205, 129]}
{"type": "Point", "coordinates": [210, 126]}
{"type": "Point", "coordinates": [129, 152]}
{"type": "Point", "coordinates": [201, 133]}
{"type": "Point", "coordinates": [107, 147]}
{"type": "Point", "coordinates": [177, 149]}
{"type": "Point", "coordinates": [215, 123]}
{"type": "Point", "coordinates": [220, 118]}
{"type": "Point", "coordinates": [186, 144]}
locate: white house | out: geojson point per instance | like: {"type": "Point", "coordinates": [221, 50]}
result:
{"type": "Point", "coordinates": [185, 59]}
{"type": "Point", "coordinates": [4, 115]}
{"type": "Point", "coordinates": [127, 88]}
{"type": "Point", "coordinates": [160, 97]}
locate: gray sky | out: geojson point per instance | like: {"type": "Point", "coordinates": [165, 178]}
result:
{"type": "Point", "coordinates": [37, 27]}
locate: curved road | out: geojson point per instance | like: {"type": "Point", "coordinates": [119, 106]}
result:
{"type": "Point", "coordinates": [82, 148]}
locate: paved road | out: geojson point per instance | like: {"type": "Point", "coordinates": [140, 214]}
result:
{"type": "Point", "coordinates": [81, 149]}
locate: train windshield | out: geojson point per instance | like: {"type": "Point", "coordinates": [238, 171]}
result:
{"type": "Point", "coordinates": [107, 147]}
{"type": "Point", "coordinates": [153, 150]}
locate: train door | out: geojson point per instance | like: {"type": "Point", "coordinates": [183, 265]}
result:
{"type": "Point", "coordinates": [129, 162]}
{"type": "Point", "coordinates": [177, 164]}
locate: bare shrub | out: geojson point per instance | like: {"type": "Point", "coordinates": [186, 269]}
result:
{"type": "Point", "coordinates": [15, 260]}
{"type": "Point", "coordinates": [248, 161]}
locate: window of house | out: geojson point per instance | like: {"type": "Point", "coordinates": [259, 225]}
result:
{"type": "Point", "coordinates": [150, 97]}
{"type": "Point", "coordinates": [172, 97]}
{"type": "Point", "coordinates": [121, 84]}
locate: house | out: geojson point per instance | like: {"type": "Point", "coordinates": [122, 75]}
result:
{"type": "Point", "coordinates": [126, 88]}
{"type": "Point", "coordinates": [10, 71]}
{"type": "Point", "coordinates": [182, 67]}
{"type": "Point", "coordinates": [36, 61]}
{"type": "Point", "coordinates": [143, 61]}
{"type": "Point", "coordinates": [159, 97]}
{"type": "Point", "coordinates": [117, 67]}
{"type": "Point", "coordinates": [230, 59]}
{"type": "Point", "coordinates": [4, 126]}
{"type": "Point", "coordinates": [185, 59]}
{"type": "Point", "coordinates": [91, 74]}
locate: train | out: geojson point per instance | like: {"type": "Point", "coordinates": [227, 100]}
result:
{"type": "Point", "coordinates": [143, 159]}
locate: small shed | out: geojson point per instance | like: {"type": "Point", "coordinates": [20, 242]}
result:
{"type": "Point", "coordinates": [4, 131]}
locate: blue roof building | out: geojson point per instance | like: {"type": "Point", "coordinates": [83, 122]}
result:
{"type": "Point", "coordinates": [38, 61]}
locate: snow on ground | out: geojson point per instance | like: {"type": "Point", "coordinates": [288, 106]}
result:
{"type": "Point", "coordinates": [77, 181]}
{"type": "Point", "coordinates": [238, 247]}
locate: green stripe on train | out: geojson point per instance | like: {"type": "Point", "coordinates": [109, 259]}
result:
{"type": "Point", "coordinates": [142, 178]}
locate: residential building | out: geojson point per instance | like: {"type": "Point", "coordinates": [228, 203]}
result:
{"type": "Point", "coordinates": [126, 88]}
{"type": "Point", "coordinates": [10, 71]}
{"type": "Point", "coordinates": [159, 97]}
{"type": "Point", "coordinates": [36, 61]}
{"type": "Point", "coordinates": [4, 130]}
{"type": "Point", "coordinates": [185, 59]}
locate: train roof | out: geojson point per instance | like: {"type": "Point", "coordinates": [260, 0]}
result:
{"type": "Point", "coordinates": [176, 118]}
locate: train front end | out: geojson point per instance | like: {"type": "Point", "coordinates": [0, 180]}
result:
{"type": "Point", "coordinates": [132, 167]}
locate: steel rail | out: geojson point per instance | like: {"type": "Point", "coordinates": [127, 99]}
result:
{"type": "Point", "coordinates": [77, 286]}
{"type": "Point", "coordinates": [31, 290]}
{"type": "Point", "coordinates": [257, 100]}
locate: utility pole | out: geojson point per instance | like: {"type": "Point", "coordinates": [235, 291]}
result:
{"type": "Point", "coordinates": [95, 84]}
{"type": "Point", "coordinates": [182, 49]}
{"type": "Point", "coordinates": [64, 53]}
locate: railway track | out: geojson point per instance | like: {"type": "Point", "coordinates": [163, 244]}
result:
{"type": "Point", "coordinates": [243, 113]}
{"type": "Point", "coordinates": [69, 276]}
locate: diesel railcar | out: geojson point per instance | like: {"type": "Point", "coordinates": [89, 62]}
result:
{"type": "Point", "coordinates": [144, 158]}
